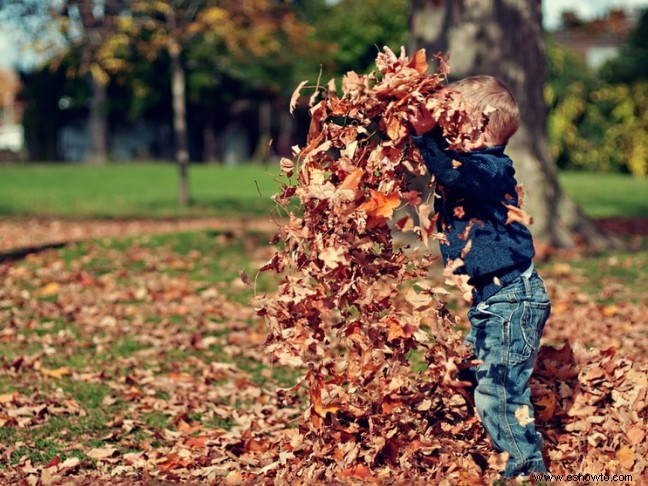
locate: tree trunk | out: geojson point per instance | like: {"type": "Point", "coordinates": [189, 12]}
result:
{"type": "Point", "coordinates": [180, 120]}
{"type": "Point", "coordinates": [504, 38]}
{"type": "Point", "coordinates": [265, 137]}
{"type": "Point", "coordinates": [209, 141]}
{"type": "Point", "coordinates": [97, 123]}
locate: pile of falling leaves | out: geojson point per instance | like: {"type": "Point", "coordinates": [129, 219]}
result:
{"type": "Point", "coordinates": [360, 315]}
{"type": "Point", "coordinates": [353, 309]}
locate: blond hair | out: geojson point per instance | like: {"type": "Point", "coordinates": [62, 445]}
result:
{"type": "Point", "coordinates": [485, 93]}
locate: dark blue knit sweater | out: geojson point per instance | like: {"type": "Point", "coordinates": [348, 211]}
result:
{"type": "Point", "coordinates": [472, 190]}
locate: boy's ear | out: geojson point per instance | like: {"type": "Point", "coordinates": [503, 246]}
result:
{"type": "Point", "coordinates": [480, 143]}
{"type": "Point", "coordinates": [488, 139]}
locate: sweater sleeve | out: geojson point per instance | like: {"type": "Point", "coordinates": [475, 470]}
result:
{"type": "Point", "coordinates": [479, 173]}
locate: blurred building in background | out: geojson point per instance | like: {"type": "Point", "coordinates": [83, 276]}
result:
{"type": "Point", "coordinates": [597, 40]}
{"type": "Point", "coordinates": [11, 110]}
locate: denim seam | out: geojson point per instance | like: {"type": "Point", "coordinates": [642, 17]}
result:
{"type": "Point", "coordinates": [503, 397]}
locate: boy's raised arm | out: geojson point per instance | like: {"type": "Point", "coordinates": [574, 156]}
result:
{"type": "Point", "coordinates": [471, 172]}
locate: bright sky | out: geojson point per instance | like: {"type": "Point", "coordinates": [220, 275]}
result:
{"type": "Point", "coordinates": [587, 9]}
{"type": "Point", "coordinates": [552, 9]}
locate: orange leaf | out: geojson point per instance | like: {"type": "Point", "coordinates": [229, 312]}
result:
{"type": "Point", "coordinates": [57, 373]}
{"type": "Point", "coordinates": [389, 405]}
{"type": "Point", "coordinates": [173, 461]}
{"type": "Point", "coordinates": [50, 289]}
{"type": "Point", "coordinates": [636, 434]}
{"type": "Point", "coordinates": [322, 409]}
{"type": "Point", "coordinates": [395, 129]}
{"type": "Point", "coordinates": [319, 406]}
{"type": "Point", "coordinates": [518, 215]}
{"type": "Point", "coordinates": [56, 460]}
{"type": "Point", "coordinates": [234, 478]}
{"type": "Point", "coordinates": [180, 377]}
{"type": "Point", "coordinates": [380, 205]}
{"type": "Point", "coordinates": [186, 428]}
{"type": "Point", "coordinates": [360, 471]}
{"type": "Point", "coordinates": [625, 456]}
{"type": "Point", "coordinates": [199, 442]}
{"type": "Point", "coordinates": [419, 61]}
{"type": "Point", "coordinates": [352, 180]}
{"type": "Point", "coordinates": [6, 420]}
{"type": "Point", "coordinates": [8, 397]}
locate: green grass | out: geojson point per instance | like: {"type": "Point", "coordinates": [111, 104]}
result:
{"type": "Point", "coordinates": [135, 190]}
{"type": "Point", "coordinates": [607, 195]}
{"type": "Point", "coordinates": [151, 190]}
{"type": "Point", "coordinates": [613, 276]}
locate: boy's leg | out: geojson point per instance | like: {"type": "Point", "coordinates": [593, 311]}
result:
{"type": "Point", "coordinates": [505, 334]}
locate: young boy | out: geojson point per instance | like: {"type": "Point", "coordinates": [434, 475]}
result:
{"type": "Point", "coordinates": [510, 304]}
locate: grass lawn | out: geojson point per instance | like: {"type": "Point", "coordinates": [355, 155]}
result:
{"type": "Point", "coordinates": [150, 190]}
{"type": "Point", "coordinates": [134, 190]}
{"type": "Point", "coordinates": [607, 195]}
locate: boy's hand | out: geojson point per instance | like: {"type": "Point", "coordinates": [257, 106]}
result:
{"type": "Point", "coordinates": [421, 119]}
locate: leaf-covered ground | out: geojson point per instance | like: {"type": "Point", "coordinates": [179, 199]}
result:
{"type": "Point", "coordinates": [139, 361]}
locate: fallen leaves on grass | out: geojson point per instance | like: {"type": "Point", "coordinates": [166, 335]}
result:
{"type": "Point", "coordinates": [145, 370]}
{"type": "Point", "coordinates": [170, 373]}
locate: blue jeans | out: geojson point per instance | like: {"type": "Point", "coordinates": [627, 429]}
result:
{"type": "Point", "coordinates": [505, 335]}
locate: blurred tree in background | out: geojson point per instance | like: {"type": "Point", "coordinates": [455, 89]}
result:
{"type": "Point", "coordinates": [246, 38]}
{"type": "Point", "coordinates": [359, 30]}
{"type": "Point", "coordinates": [51, 100]}
{"type": "Point", "coordinates": [87, 27]}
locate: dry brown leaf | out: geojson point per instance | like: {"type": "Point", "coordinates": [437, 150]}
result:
{"type": "Point", "coordinates": [517, 215]}
{"type": "Point", "coordinates": [102, 453]}
{"type": "Point", "coordinates": [57, 373]}
{"type": "Point", "coordinates": [295, 96]}
{"type": "Point", "coordinates": [626, 457]}
{"type": "Point", "coordinates": [522, 416]}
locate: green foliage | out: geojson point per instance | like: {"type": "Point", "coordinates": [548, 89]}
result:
{"type": "Point", "coordinates": [569, 81]}
{"type": "Point", "coordinates": [617, 122]}
{"type": "Point", "coordinates": [359, 30]}
{"type": "Point", "coordinates": [599, 121]}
